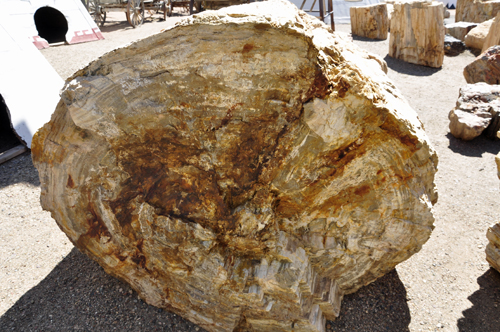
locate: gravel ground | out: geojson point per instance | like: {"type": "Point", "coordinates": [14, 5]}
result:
{"type": "Point", "coordinates": [48, 285]}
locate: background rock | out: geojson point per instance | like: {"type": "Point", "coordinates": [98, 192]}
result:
{"type": "Point", "coordinates": [477, 111]}
{"type": "Point", "coordinates": [459, 29]}
{"type": "Point", "coordinates": [475, 38]}
{"type": "Point", "coordinates": [485, 68]}
{"type": "Point", "coordinates": [417, 33]}
{"type": "Point", "coordinates": [493, 36]}
{"type": "Point", "coordinates": [453, 46]}
{"type": "Point", "coordinates": [243, 169]}
{"type": "Point", "coordinates": [370, 21]}
{"type": "Point", "coordinates": [476, 11]}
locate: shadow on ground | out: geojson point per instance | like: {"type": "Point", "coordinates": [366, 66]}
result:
{"type": "Point", "coordinates": [365, 39]}
{"type": "Point", "coordinates": [474, 148]}
{"type": "Point", "coordinates": [79, 295]}
{"type": "Point", "coordinates": [403, 67]}
{"type": "Point", "coordinates": [19, 170]}
{"type": "Point", "coordinates": [484, 315]}
{"type": "Point", "coordinates": [380, 306]}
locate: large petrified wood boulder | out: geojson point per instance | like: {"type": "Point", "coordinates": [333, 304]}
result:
{"type": "Point", "coordinates": [476, 37]}
{"type": "Point", "coordinates": [477, 112]}
{"type": "Point", "coordinates": [493, 36]}
{"type": "Point", "coordinates": [370, 21]}
{"type": "Point", "coordinates": [476, 11]}
{"type": "Point", "coordinates": [417, 33]}
{"type": "Point", "coordinates": [245, 168]}
{"type": "Point", "coordinates": [485, 68]}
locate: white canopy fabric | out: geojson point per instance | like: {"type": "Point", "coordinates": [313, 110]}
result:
{"type": "Point", "coordinates": [29, 85]}
{"type": "Point", "coordinates": [341, 13]}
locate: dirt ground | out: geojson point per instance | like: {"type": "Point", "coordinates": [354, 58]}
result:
{"type": "Point", "coordinates": [48, 285]}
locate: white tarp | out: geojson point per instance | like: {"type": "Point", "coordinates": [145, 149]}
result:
{"type": "Point", "coordinates": [81, 27]}
{"type": "Point", "coordinates": [28, 83]}
{"type": "Point", "coordinates": [341, 13]}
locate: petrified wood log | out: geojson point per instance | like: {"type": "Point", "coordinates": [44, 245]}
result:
{"type": "Point", "coordinates": [245, 168]}
{"type": "Point", "coordinates": [477, 112]}
{"type": "Point", "coordinates": [417, 33]}
{"type": "Point", "coordinates": [370, 21]}
{"type": "Point", "coordinates": [453, 46]}
{"type": "Point", "coordinates": [459, 29]}
{"type": "Point", "coordinates": [476, 37]}
{"type": "Point", "coordinates": [485, 68]}
{"type": "Point", "coordinates": [493, 36]}
{"type": "Point", "coordinates": [476, 11]}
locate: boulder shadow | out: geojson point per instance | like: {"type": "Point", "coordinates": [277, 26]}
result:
{"type": "Point", "coordinates": [473, 148]}
{"type": "Point", "coordinates": [407, 68]}
{"type": "Point", "coordinates": [79, 295]}
{"type": "Point", "coordinates": [19, 169]}
{"type": "Point", "coordinates": [380, 306]}
{"type": "Point", "coordinates": [366, 39]}
{"type": "Point", "coordinates": [484, 315]}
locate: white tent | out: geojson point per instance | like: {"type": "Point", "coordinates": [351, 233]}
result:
{"type": "Point", "coordinates": [341, 13]}
{"type": "Point", "coordinates": [28, 83]}
{"type": "Point", "coordinates": [46, 21]}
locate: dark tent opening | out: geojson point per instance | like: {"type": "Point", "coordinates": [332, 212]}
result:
{"type": "Point", "coordinates": [8, 139]}
{"type": "Point", "coordinates": [51, 24]}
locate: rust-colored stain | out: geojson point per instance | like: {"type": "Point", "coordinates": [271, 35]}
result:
{"type": "Point", "coordinates": [70, 183]}
{"type": "Point", "coordinates": [343, 87]}
{"type": "Point", "coordinates": [392, 127]}
{"type": "Point", "coordinates": [361, 191]}
{"type": "Point", "coordinates": [247, 48]}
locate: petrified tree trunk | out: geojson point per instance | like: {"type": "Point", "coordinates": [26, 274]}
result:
{"type": "Point", "coordinates": [245, 168]}
{"type": "Point", "coordinates": [417, 33]}
{"type": "Point", "coordinates": [476, 37]}
{"type": "Point", "coordinates": [477, 112]}
{"type": "Point", "coordinates": [476, 11]}
{"type": "Point", "coordinates": [493, 36]}
{"type": "Point", "coordinates": [370, 21]}
{"type": "Point", "coordinates": [485, 68]}
{"type": "Point", "coordinates": [460, 29]}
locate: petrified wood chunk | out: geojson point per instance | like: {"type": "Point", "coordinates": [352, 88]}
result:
{"type": "Point", "coordinates": [475, 38]}
{"type": "Point", "coordinates": [476, 11]}
{"type": "Point", "coordinates": [477, 112]}
{"type": "Point", "coordinates": [485, 68]}
{"type": "Point", "coordinates": [493, 247]}
{"type": "Point", "coordinates": [417, 33]}
{"type": "Point", "coordinates": [459, 29]}
{"type": "Point", "coordinates": [493, 235]}
{"type": "Point", "coordinates": [453, 46]}
{"type": "Point", "coordinates": [493, 36]}
{"type": "Point", "coordinates": [370, 21]}
{"type": "Point", "coordinates": [245, 168]}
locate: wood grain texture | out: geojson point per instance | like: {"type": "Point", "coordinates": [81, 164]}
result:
{"type": "Point", "coordinates": [476, 11]}
{"type": "Point", "coordinates": [244, 169]}
{"type": "Point", "coordinates": [493, 36]}
{"type": "Point", "coordinates": [370, 21]}
{"type": "Point", "coordinates": [417, 33]}
{"type": "Point", "coordinates": [485, 68]}
{"type": "Point", "coordinates": [476, 37]}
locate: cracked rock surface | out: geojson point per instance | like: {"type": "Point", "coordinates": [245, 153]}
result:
{"type": "Point", "coordinates": [244, 169]}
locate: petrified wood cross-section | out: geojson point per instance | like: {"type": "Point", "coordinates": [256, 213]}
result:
{"type": "Point", "coordinates": [245, 169]}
